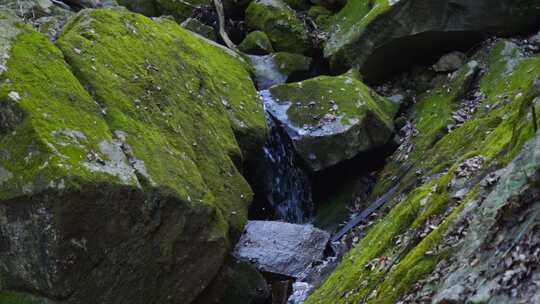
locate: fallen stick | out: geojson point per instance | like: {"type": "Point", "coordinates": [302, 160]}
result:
{"type": "Point", "coordinates": [222, 32]}
{"type": "Point", "coordinates": [367, 212]}
{"type": "Point", "coordinates": [371, 208]}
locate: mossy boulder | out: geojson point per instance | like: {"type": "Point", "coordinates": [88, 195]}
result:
{"type": "Point", "coordinates": [119, 179]}
{"type": "Point", "coordinates": [331, 119]}
{"type": "Point", "coordinates": [382, 36]}
{"type": "Point", "coordinates": [446, 214]}
{"type": "Point", "coordinates": [180, 10]}
{"type": "Point", "coordinates": [279, 68]}
{"type": "Point", "coordinates": [275, 18]}
{"type": "Point", "coordinates": [256, 43]}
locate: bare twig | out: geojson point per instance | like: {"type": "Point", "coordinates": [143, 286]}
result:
{"type": "Point", "coordinates": [222, 32]}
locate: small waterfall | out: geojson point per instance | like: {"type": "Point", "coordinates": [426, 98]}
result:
{"type": "Point", "coordinates": [266, 71]}
{"type": "Point", "coordinates": [285, 190]}
{"type": "Point", "coordinates": [288, 190]}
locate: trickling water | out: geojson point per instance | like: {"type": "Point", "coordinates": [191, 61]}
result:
{"type": "Point", "coordinates": [266, 71]}
{"type": "Point", "coordinates": [288, 190]}
{"type": "Point", "coordinates": [285, 186]}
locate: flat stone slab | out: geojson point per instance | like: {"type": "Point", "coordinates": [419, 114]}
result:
{"type": "Point", "coordinates": [281, 248]}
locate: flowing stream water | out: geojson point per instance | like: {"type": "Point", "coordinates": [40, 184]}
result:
{"type": "Point", "coordinates": [286, 186]}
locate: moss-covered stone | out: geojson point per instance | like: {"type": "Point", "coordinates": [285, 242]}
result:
{"type": "Point", "coordinates": [180, 10]}
{"type": "Point", "coordinates": [496, 132]}
{"type": "Point", "coordinates": [256, 43]}
{"type": "Point", "coordinates": [320, 15]}
{"type": "Point", "coordinates": [330, 119]}
{"type": "Point", "coordinates": [200, 28]}
{"type": "Point", "coordinates": [289, 64]}
{"type": "Point", "coordinates": [366, 35]}
{"type": "Point", "coordinates": [119, 179]}
{"type": "Point", "coordinates": [285, 30]}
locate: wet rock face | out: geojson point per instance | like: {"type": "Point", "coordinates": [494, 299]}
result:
{"type": "Point", "coordinates": [281, 248]}
{"type": "Point", "coordinates": [383, 36]}
{"type": "Point", "coordinates": [331, 119]}
{"type": "Point", "coordinates": [278, 68]}
{"type": "Point", "coordinates": [118, 177]}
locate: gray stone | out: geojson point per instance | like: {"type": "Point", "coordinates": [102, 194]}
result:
{"type": "Point", "coordinates": [450, 296]}
{"type": "Point", "coordinates": [399, 34]}
{"type": "Point", "coordinates": [281, 248]}
{"type": "Point", "coordinates": [514, 196]}
{"type": "Point", "coordinates": [449, 62]}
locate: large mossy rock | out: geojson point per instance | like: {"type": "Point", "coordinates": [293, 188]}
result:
{"type": "Point", "coordinates": [118, 172]}
{"type": "Point", "coordinates": [331, 119]}
{"type": "Point", "coordinates": [383, 36]}
{"type": "Point", "coordinates": [280, 23]}
{"type": "Point", "coordinates": [466, 199]}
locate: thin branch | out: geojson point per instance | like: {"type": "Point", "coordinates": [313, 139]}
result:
{"type": "Point", "coordinates": [222, 32]}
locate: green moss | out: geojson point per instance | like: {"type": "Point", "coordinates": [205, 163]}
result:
{"type": "Point", "coordinates": [419, 262]}
{"type": "Point", "coordinates": [256, 43]}
{"type": "Point", "coordinates": [136, 142]}
{"type": "Point", "coordinates": [351, 21]}
{"type": "Point", "coordinates": [345, 96]}
{"type": "Point", "coordinates": [289, 63]}
{"type": "Point", "coordinates": [180, 10]}
{"type": "Point", "coordinates": [320, 15]}
{"type": "Point", "coordinates": [182, 117]}
{"type": "Point", "coordinates": [286, 32]}
{"type": "Point", "coordinates": [352, 279]}
{"type": "Point", "coordinates": [497, 131]}
{"type": "Point", "coordinates": [51, 101]}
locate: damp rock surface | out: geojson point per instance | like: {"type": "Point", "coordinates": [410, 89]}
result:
{"type": "Point", "coordinates": [331, 119]}
{"type": "Point", "coordinates": [281, 248]}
